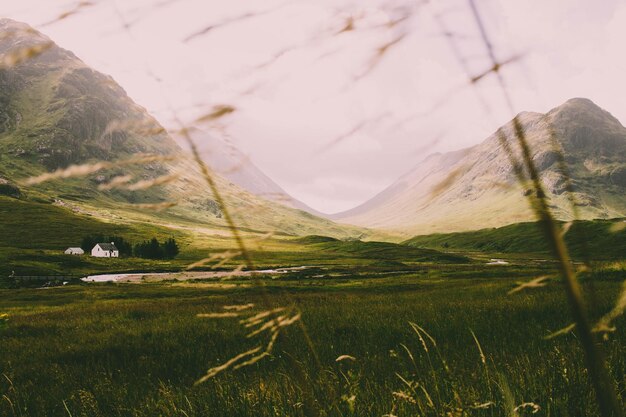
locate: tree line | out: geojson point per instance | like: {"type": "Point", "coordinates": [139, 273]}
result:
{"type": "Point", "coordinates": [148, 249]}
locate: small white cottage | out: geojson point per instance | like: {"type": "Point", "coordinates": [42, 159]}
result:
{"type": "Point", "coordinates": [74, 251]}
{"type": "Point", "coordinates": [105, 250]}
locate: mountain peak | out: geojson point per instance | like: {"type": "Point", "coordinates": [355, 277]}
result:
{"type": "Point", "coordinates": [579, 107]}
{"type": "Point", "coordinates": [15, 28]}
{"type": "Point", "coordinates": [55, 111]}
{"type": "Point", "coordinates": [6, 23]}
{"type": "Point", "coordinates": [581, 102]}
{"type": "Point", "coordinates": [476, 187]}
{"type": "Point", "coordinates": [17, 35]}
{"type": "Point", "coordinates": [74, 116]}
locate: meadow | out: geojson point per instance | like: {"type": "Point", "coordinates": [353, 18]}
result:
{"type": "Point", "coordinates": [441, 340]}
{"type": "Point", "coordinates": [585, 239]}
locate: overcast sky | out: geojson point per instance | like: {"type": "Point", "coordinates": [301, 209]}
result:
{"type": "Point", "coordinates": [320, 109]}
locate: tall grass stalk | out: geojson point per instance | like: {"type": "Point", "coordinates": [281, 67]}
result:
{"type": "Point", "coordinates": [309, 407]}
{"type": "Point", "coordinates": [433, 373]}
{"type": "Point", "coordinates": [594, 356]}
{"type": "Point", "coordinates": [483, 361]}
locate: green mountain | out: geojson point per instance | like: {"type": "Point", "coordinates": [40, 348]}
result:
{"type": "Point", "coordinates": [476, 187]}
{"type": "Point", "coordinates": [56, 112]}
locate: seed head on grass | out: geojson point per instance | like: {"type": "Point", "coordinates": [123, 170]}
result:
{"type": "Point", "coordinates": [155, 206]}
{"type": "Point", "coordinates": [223, 257]}
{"type": "Point", "coordinates": [20, 55]}
{"type": "Point", "coordinates": [483, 406]}
{"type": "Point", "coordinates": [535, 283]}
{"type": "Point", "coordinates": [239, 307]}
{"type": "Point", "coordinates": [145, 184]}
{"type": "Point", "coordinates": [534, 408]}
{"type": "Point", "coordinates": [115, 182]}
{"type": "Point", "coordinates": [143, 127]}
{"type": "Point", "coordinates": [565, 228]}
{"type": "Point", "coordinates": [268, 321]}
{"type": "Point", "coordinates": [87, 169]}
{"type": "Point", "coordinates": [565, 330]}
{"type": "Point", "coordinates": [604, 325]}
{"type": "Point", "coordinates": [617, 227]}
{"type": "Point", "coordinates": [483, 358]}
{"type": "Point", "coordinates": [221, 315]}
{"type": "Point", "coordinates": [215, 113]}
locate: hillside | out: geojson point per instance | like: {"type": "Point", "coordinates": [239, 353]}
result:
{"type": "Point", "coordinates": [593, 239]}
{"type": "Point", "coordinates": [476, 187]}
{"type": "Point", "coordinates": [56, 112]}
{"type": "Point", "coordinates": [379, 251]}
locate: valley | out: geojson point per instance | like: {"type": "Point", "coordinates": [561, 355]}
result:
{"type": "Point", "coordinates": [486, 281]}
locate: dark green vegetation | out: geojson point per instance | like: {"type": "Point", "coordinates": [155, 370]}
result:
{"type": "Point", "coordinates": [153, 249]}
{"type": "Point", "coordinates": [593, 239]}
{"type": "Point", "coordinates": [148, 249]}
{"type": "Point", "coordinates": [136, 350]}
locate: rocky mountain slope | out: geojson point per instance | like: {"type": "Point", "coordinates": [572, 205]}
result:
{"type": "Point", "coordinates": [56, 112]}
{"type": "Point", "coordinates": [476, 187]}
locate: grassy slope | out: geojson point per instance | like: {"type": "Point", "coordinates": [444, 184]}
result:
{"type": "Point", "coordinates": [383, 251]}
{"type": "Point", "coordinates": [593, 239]}
{"type": "Point", "coordinates": [33, 236]}
{"type": "Point", "coordinates": [135, 350]}
{"type": "Point", "coordinates": [30, 225]}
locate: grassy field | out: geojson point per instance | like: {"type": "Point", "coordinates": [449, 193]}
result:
{"type": "Point", "coordinates": [136, 350]}
{"type": "Point", "coordinates": [32, 243]}
{"type": "Point", "coordinates": [593, 239]}
{"type": "Point", "coordinates": [404, 313]}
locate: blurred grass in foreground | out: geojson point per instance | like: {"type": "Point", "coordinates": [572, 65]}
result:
{"type": "Point", "coordinates": [136, 350]}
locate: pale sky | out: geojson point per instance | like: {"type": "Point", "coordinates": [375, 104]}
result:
{"type": "Point", "coordinates": [317, 108]}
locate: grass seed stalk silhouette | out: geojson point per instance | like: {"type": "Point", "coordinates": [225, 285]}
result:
{"type": "Point", "coordinates": [275, 322]}
{"type": "Point", "coordinates": [594, 356]}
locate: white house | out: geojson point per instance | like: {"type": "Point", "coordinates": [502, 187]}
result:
{"type": "Point", "coordinates": [74, 251]}
{"type": "Point", "coordinates": [105, 250]}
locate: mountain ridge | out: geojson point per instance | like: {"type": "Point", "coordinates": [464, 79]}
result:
{"type": "Point", "coordinates": [56, 112]}
{"type": "Point", "coordinates": [594, 147]}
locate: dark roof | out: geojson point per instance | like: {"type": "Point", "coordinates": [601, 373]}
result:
{"type": "Point", "coordinates": [107, 246]}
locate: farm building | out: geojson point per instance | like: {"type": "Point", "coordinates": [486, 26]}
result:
{"type": "Point", "coordinates": [105, 250]}
{"type": "Point", "coordinates": [74, 251]}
